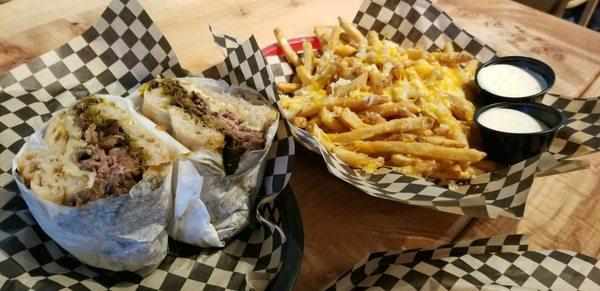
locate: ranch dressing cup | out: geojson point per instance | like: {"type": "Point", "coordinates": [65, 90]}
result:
{"type": "Point", "coordinates": [513, 79]}
{"type": "Point", "coordinates": [512, 132]}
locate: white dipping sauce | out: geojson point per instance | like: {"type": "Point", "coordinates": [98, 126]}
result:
{"type": "Point", "coordinates": [510, 120]}
{"type": "Point", "coordinates": [510, 81]}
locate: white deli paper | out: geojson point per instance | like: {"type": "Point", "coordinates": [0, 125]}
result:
{"type": "Point", "coordinates": [118, 233]}
{"type": "Point", "coordinates": [209, 206]}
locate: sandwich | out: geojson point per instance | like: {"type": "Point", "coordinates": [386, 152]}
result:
{"type": "Point", "coordinates": [203, 119]}
{"type": "Point", "coordinates": [228, 131]}
{"type": "Point", "coordinates": [94, 151]}
{"type": "Point", "coordinates": [98, 182]}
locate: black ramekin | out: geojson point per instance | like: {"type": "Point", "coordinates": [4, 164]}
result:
{"type": "Point", "coordinates": [510, 148]}
{"type": "Point", "coordinates": [524, 62]}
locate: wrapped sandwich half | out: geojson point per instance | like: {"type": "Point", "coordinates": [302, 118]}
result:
{"type": "Point", "coordinates": [228, 131]}
{"type": "Point", "coordinates": [98, 182]}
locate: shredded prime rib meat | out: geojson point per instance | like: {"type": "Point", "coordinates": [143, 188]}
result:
{"type": "Point", "coordinates": [191, 103]}
{"type": "Point", "coordinates": [238, 139]}
{"type": "Point", "coordinates": [230, 125]}
{"type": "Point", "coordinates": [116, 173]}
{"type": "Point", "coordinates": [109, 155]}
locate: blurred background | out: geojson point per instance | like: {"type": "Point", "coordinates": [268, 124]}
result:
{"type": "Point", "coordinates": [583, 12]}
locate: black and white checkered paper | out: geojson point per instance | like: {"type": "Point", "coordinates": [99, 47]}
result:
{"type": "Point", "coordinates": [503, 192]}
{"type": "Point", "coordinates": [497, 263]}
{"type": "Point", "coordinates": [121, 51]}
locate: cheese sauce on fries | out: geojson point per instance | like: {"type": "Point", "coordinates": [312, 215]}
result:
{"type": "Point", "coordinates": [375, 104]}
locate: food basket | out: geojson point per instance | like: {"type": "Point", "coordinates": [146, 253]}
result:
{"type": "Point", "coordinates": [502, 192]}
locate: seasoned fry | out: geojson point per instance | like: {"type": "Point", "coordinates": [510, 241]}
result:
{"type": "Point", "coordinates": [321, 136]}
{"type": "Point", "coordinates": [288, 52]}
{"type": "Point", "coordinates": [333, 38]}
{"type": "Point", "coordinates": [421, 166]}
{"type": "Point", "coordinates": [470, 69]}
{"type": "Point", "coordinates": [424, 132]}
{"type": "Point", "coordinates": [326, 75]}
{"type": "Point", "coordinates": [351, 30]}
{"type": "Point", "coordinates": [307, 56]}
{"type": "Point", "coordinates": [371, 117]}
{"type": "Point", "coordinates": [353, 85]}
{"type": "Point", "coordinates": [351, 120]}
{"type": "Point", "coordinates": [402, 137]}
{"type": "Point", "coordinates": [419, 149]}
{"type": "Point", "coordinates": [322, 33]}
{"type": "Point", "coordinates": [304, 75]}
{"type": "Point", "coordinates": [373, 38]}
{"type": "Point", "coordinates": [329, 119]}
{"type": "Point", "coordinates": [358, 160]}
{"type": "Point", "coordinates": [354, 103]}
{"type": "Point", "coordinates": [441, 141]}
{"type": "Point", "coordinates": [452, 173]}
{"type": "Point", "coordinates": [357, 103]}
{"type": "Point", "coordinates": [287, 88]}
{"type": "Point", "coordinates": [461, 107]}
{"type": "Point", "coordinates": [392, 126]}
{"type": "Point", "coordinates": [345, 37]}
{"type": "Point", "coordinates": [378, 81]}
{"type": "Point", "coordinates": [401, 160]}
{"type": "Point", "coordinates": [344, 50]}
{"type": "Point", "coordinates": [310, 109]}
{"type": "Point", "coordinates": [354, 159]}
{"type": "Point", "coordinates": [300, 121]}
{"type": "Point", "coordinates": [399, 109]}
{"type": "Point", "coordinates": [448, 48]}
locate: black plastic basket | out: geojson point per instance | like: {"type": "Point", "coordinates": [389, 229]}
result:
{"type": "Point", "coordinates": [291, 224]}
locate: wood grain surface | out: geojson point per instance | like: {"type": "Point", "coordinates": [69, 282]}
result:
{"type": "Point", "coordinates": [342, 224]}
{"type": "Point", "coordinates": [514, 29]}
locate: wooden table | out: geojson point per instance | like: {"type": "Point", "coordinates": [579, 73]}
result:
{"type": "Point", "coordinates": [341, 224]}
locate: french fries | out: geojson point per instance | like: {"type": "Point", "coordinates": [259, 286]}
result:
{"type": "Point", "coordinates": [330, 120]}
{"type": "Point", "coordinates": [372, 117]}
{"type": "Point", "coordinates": [373, 103]}
{"type": "Point", "coordinates": [392, 126]}
{"type": "Point", "coordinates": [307, 57]}
{"type": "Point", "coordinates": [354, 159]}
{"type": "Point", "coordinates": [354, 34]}
{"type": "Point", "coordinates": [400, 109]}
{"type": "Point", "coordinates": [441, 141]}
{"type": "Point", "coordinates": [300, 122]}
{"type": "Point", "coordinates": [419, 149]}
{"type": "Point", "coordinates": [288, 52]}
{"type": "Point", "coordinates": [288, 87]}
{"type": "Point", "coordinates": [356, 103]}
{"type": "Point", "coordinates": [351, 120]}
{"type": "Point", "coordinates": [355, 84]}
{"type": "Point", "coordinates": [304, 75]}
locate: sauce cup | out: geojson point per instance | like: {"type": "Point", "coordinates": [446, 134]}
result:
{"type": "Point", "coordinates": [509, 147]}
{"type": "Point", "coordinates": [537, 67]}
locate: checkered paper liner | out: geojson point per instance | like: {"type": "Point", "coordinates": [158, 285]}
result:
{"type": "Point", "coordinates": [121, 51]}
{"type": "Point", "coordinates": [502, 192]}
{"type": "Point", "coordinates": [497, 263]}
